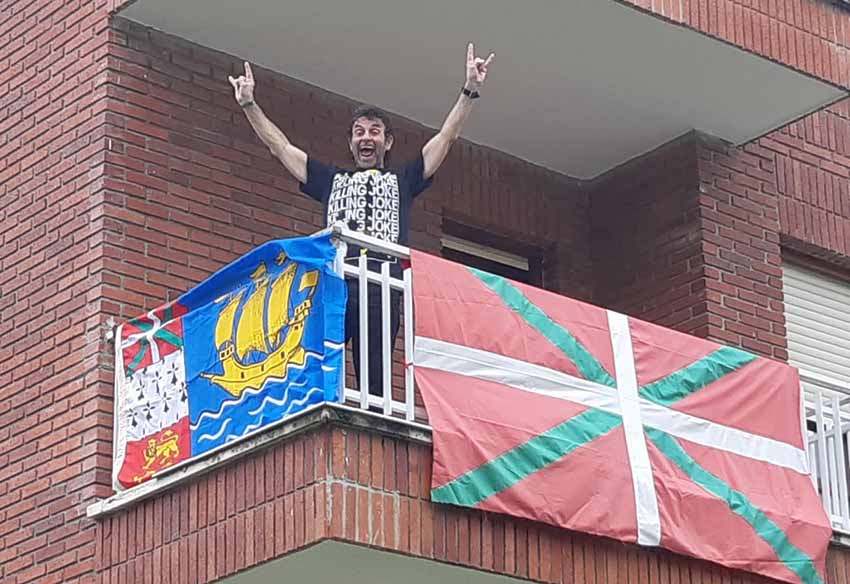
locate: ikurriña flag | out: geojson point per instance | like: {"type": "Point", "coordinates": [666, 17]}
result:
{"type": "Point", "coordinates": [550, 409]}
{"type": "Point", "coordinates": [258, 341]}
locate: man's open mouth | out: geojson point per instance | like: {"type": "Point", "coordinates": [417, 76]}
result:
{"type": "Point", "coordinates": [367, 151]}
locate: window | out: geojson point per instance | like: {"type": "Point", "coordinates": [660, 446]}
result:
{"type": "Point", "coordinates": [817, 313]}
{"type": "Point", "coordinates": [495, 254]}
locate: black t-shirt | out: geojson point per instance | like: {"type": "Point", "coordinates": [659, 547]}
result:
{"type": "Point", "coordinates": [374, 202]}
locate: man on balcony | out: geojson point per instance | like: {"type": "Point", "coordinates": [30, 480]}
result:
{"type": "Point", "coordinates": [368, 199]}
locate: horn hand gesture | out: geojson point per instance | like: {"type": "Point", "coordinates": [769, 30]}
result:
{"type": "Point", "coordinates": [243, 86]}
{"type": "Point", "coordinates": [476, 68]}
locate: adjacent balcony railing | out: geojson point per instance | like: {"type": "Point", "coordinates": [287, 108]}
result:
{"type": "Point", "coordinates": [827, 424]}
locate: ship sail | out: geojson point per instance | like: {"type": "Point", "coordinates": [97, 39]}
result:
{"type": "Point", "coordinates": [250, 332]}
{"type": "Point", "coordinates": [278, 314]}
{"type": "Point", "coordinates": [224, 327]}
{"type": "Point", "coordinates": [309, 281]}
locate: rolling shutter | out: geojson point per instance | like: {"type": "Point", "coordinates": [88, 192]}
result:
{"type": "Point", "coordinates": [817, 311]}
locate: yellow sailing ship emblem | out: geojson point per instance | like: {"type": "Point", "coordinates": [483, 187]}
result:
{"type": "Point", "coordinates": [262, 327]}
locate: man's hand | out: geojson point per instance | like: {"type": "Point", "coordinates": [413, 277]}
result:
{"type": "Point", "coordinates": [293, 158]}
{"type": "Point", "coordinates": [243, 86]}
{"type": "Point", "coordinates": [476, 69]}
{"type": "Point", "coordinates": [437, 148]}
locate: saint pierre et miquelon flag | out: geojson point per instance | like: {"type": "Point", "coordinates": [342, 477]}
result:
{"type": "Point", "coordinates": [259, 340]}
{"type": "Point", "coordinates": [557, 411]}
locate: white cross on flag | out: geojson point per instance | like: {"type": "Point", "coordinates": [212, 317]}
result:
{"type": "Point", "coordinates": [553, 410]}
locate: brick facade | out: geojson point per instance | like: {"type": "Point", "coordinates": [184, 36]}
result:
{"type": "Point", "coordinates": [688, 236]}
{"type": "Point", "coordinates": [813, 167]}
{"type": "Point", "coordinates": [55, 413]}
{"type": "Point", "coordinates": [344, 481]}
{"type": "Point", "coordinates": [810, 36]}
{"type": "Point", "coordinates": [127, 174]}
{"type": "Point", "coordinates": [740, 231]}
{"type": "Point", "coordinates": [646, 238]}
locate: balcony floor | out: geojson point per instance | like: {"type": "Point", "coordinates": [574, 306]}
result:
{"type": "Point", "coordinates": [343, 563]}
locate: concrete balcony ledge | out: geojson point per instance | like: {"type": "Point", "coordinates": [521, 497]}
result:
{"type": "Point", "coordinates": [325, 414]}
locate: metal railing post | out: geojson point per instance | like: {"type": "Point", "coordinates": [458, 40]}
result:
{"type": "Point", "coordinates": [386, 348]}
{"type": "Point", "coordinates": [363, 292]}
{"type": "Point", "coordinates": [386, 283]}
{"type": "Point", "coordinates": [409, 406]}
{"type": "Point", "coordinates": [840, 462]}
{"type": "Point", "coordinates": [827, 406]}
{"type": "Point", "coordinates": [339, 268]}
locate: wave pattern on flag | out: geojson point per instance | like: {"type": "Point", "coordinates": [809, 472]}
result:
{"type": "Point", "coordinates": [557, 411]}
{"type": "Point", "coordinates": [258, 341]}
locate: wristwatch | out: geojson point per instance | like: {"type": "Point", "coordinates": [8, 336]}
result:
{"type": "Point", "coordinates": [470, 94]}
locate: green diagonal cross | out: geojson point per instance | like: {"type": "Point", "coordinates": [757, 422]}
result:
{"type": "Point", "coordinates": [508, 469]}
{"type": "Point", "coordinates": [145, 341]}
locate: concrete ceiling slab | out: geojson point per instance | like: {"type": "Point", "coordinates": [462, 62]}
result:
{"type": "Point", "coordinates": [342, 563]}
{"type": "Point", "coordinates": [578, 86]}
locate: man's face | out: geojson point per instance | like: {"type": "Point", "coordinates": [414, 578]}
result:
{"type": "Point", "coordinates": [369, 143]}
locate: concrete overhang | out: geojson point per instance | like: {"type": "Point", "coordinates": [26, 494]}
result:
{"type": "Point", "coordinates": [342, 563]}
{"type": "Point", "coordinates": [578, 86]}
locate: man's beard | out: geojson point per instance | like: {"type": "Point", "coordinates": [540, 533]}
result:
{"type": "Point", "coordinates": [377, 161]}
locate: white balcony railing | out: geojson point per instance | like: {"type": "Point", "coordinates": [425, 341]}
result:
{"type": "Point", "coordinates": [398, 398]}
{"type": "Point", "coordinates": [827, 424]}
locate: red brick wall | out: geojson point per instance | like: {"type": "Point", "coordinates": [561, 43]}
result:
{"type": "Point", "coordinates": [361, 487]}
{"type": "Point", "coordinates": [809, 35]}
{"type": "Point", "coordinates": [646, 239]}
{"type": "Point", "coordinates": [739, 222]}
{"type": "Point", "coordinates": [55, 426]}
{"type": "Point", "coordinates": [813, 167]}
{"type": "Point", "coordinates": [688, 237]}
{"type": "Point", "coordinates": [256, 509]}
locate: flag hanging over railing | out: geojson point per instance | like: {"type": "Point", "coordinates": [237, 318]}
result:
{"type": "Point", "coordinates": [553, 410]}
{"type": "Point", "coordinates": [259, 340]}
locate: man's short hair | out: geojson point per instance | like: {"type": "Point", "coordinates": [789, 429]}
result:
{"type": "Point", "coordinates": [370, 112]}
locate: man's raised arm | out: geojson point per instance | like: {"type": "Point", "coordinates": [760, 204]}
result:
{"type": "Point", "coordinates": [292, 157]}
{"type": "Point", "coordinates": [435, 151]}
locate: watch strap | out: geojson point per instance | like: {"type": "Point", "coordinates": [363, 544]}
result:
{"type": "Point", "coordinates": [470, 94]}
